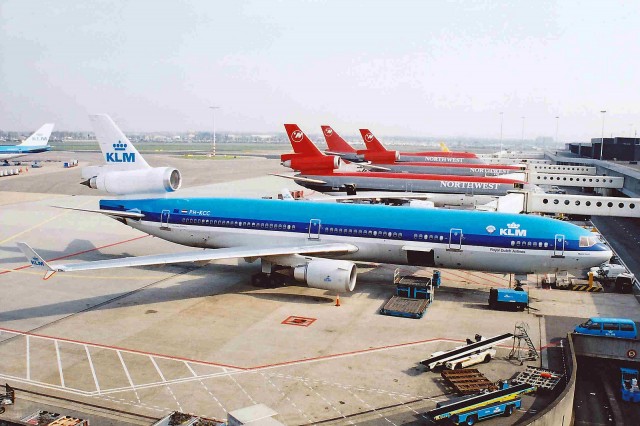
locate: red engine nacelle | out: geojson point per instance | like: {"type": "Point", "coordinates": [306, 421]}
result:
{"type": "Point", "coordinates": [302, 163]}
{"type": "Point", "coordinates": [385, 157]}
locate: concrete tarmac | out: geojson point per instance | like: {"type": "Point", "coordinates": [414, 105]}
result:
{"type": "Point", "coordinates": [200, 339]}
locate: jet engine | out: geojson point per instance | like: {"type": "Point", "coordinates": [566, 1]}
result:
{"type": "Point", "coordinates": [333, 275]}
{"type": "Point", "coordinates": [309, 163]}
{"type": "Point", "coordinates": [382, 157]}
{"type": "Point", "coordinates": [143, 181]}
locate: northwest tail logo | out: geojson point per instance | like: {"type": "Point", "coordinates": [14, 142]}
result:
{"type": "Point", "coordinates": [328, 131]}
{"type": "Point", "coordinates": [297, 135]}
{"type": "Point", "coordinates": [369, 137]}
{"type": "Point", "coordinates": [120, 156]}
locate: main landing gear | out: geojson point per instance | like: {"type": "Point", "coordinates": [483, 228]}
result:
{"type": "Point", "coordinates": [265, 280]}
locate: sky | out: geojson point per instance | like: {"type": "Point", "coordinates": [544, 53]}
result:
{"type": "Point", "coordinates": [407, 68]}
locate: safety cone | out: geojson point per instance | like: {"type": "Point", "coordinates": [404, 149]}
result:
{"type": "Point", "coordinates": [338, 300]}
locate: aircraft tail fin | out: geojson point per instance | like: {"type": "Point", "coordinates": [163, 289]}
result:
{"type": "Point", "coordinates": [372, 143]}
{"type": "Point", "coordinates": [36, 260]}
{"type": "Point", "coordinates": [444, 147]}
{"type": "Point", "coordinates": [335, 141]}
{"type": "Point", "coordinates": [117, 149]}
{"type": "Point", "coordinates": [300, 142]}
{"type": "Point", "coordinates": [40, 137]}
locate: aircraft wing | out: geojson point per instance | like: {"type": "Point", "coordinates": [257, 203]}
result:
{"type": "Point", "coordinates": [192, 256]}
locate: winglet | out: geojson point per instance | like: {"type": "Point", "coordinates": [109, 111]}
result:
{"type": "Point", "coordinates": [36, 260]}
{"type": "Point", "coordinates": [372, 143]}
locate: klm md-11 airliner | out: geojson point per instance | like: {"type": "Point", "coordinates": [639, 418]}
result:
{"type": "Point", "coordinates": [318, 243]}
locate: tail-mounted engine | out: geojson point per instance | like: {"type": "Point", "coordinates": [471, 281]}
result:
{"type": "Point", "coordinates": [306, 163]}
{"type": "Point", "coordinates": [143, 181]}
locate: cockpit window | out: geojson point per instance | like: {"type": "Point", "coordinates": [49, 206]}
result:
{"type": "Point", "coordinates": [588, 241]}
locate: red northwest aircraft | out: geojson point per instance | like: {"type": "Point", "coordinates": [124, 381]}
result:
{"type": "Point", "coordinates": [322, 173]}
{"type": "Point", "coordinates": [387, 160]}
{"type": "Point", "coordinates": [374, 146]}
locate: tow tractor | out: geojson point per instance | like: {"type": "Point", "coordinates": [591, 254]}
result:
{"type": "Point", "coordinates": [471, 409]}
{"type": "Point", "coordinates": [7, 398]}
{"type": "Point", "coordinates": [467, 355]}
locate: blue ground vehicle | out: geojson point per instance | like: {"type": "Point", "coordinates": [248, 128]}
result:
{"type": "Point", "coordinates": [471, 409]}
{"type": "Point", "coordinates": [630, 389]}
{"type": "Point", "coordinates": [611, 327]}
{"type": "Point", "coordinates": [506, 298]}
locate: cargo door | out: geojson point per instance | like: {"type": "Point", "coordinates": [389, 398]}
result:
{"type": "Point", "coordinates": [558, 247]}
{"type": "Point", "coordinates": [164, 219]}
{"type": "Point", "coordinates": [314, 229]}
{"type": "Point", "coordinates": [455, 239]}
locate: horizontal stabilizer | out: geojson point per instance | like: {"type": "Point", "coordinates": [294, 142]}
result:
{"type": "Point", "coordinates": [299, 178]}
{"type": "Point", "coordinates": [114, 213]}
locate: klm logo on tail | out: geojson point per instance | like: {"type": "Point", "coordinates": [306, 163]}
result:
{"type": "Point", "coordinates": [36, 262]}
{"type": "Point", "coordinates": [120, 156]}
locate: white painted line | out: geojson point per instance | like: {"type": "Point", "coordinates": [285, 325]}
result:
{"type": "Point", "coordinates": [28, 360]}
{"type": "Point", "coordinates": [59, 363]}
{"type": "Point", "coordinates": [126, 371]}
{"type": "Point", "coordinates": [157, 369]}
{"type": "Point", "coordinates": [93, 371]}
{"type": "Point", "coordinates": [190, 369]}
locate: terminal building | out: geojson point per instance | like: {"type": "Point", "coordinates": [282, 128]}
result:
{"type": "Point", "coordinates": [615, 149]}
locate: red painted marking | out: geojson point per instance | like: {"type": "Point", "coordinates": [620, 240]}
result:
{"type": "Point", "coordinates": [299, 321]}
{"type": "Point", "coordinates": [79, 252]}
{"type": "Point", "coordinates": [458, 165]}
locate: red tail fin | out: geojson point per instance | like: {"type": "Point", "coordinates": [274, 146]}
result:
{"type": "Point", "coordinates": [372, 143]}
{"type": "Point", "coordinates": [335, 142]}
{"type": "Point", "coordinates": [300, 142]}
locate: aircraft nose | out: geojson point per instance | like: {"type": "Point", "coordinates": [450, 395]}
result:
{"type": "Point", "coordinates": [604, 255]}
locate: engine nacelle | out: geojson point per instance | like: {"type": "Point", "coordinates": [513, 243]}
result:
{"type": "Point", "coordinates": [143, 181]}
{"type": "Point", "coordinates": [302, 163]}
{"type": "Point", "coordinates": [333, 275]}
{"type": "Point", "coordinates": [382, 157]}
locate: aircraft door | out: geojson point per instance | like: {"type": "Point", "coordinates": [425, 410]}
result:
{"type": "Point", "coordinates": [455, 239]}
{"type": "Point", "coordinates": [164, 219]}
{"type": "Point", "coordinates": [314, 229]}
{"type": "Point", "coordinates": [558, 247]}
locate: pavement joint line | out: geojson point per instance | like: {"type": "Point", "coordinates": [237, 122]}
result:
{"type": "Point", "coordinates": [285, 396]}
{"type": "Point", "coordinates": [370, 406]}
{"type": "Point", "coordinates": [164, 381]}
{"type": "Point", "coordinates": [126, 372]}
{"type": "Point", "coordinates": [327, 402]}
{"type": "Point", "coordinates": [93, 371]}
{"type": "Point", "coordinates": [55, 343]}
{"type": "Point", "coordinates": [253, 401]}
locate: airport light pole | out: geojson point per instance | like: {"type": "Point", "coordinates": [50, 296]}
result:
{"type": "Point", "coordinates": [501, 121]}
{"type": "Point", "coordinates": [522, 143]}
{"type": "Point", "coordinates": [213, 110]}
{"type": "Point", "coordinates": [557, 125]}
{"type": "Point", "coordinates": [603, 112]}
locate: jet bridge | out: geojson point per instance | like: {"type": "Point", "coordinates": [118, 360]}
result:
{"type": "Point", "coordinates": [586, 205]}
{"type": "Point", "coordinates": [561, 169]}
{"type": "Point", "coordinates": [584, 181]}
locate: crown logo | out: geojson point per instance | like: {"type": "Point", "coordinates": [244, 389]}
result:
{"type": "Point", "coordinates": [513, 225]}
{"type": "Point", "coordinates": [120, 146]}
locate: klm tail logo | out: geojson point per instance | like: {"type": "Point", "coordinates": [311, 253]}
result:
{"type": "Point", "coordinates": [120, 156]}
{"type": "Point", "coordinates": [36, 262]}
